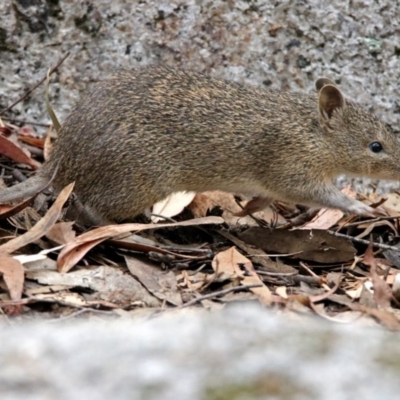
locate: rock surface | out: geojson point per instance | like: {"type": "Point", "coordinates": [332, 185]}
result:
{"type": "Point", "coordinates": [284, 44]}
{"type": "Point", "coordinates": [239, 353]}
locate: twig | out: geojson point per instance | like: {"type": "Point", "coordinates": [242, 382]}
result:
{"type": "Point", "coordinates": [164, 217]}
{"type": "Point", "coordinates": [314, 275]}
{"type": "Point", "coordinates": [369, 221]}
{"type": "Point", "coordinates": [280, 274]}
{"type": "Point", "coordinates": [220, 293]}
{"type": "Point", "coordinates": [26, 94]}
{"type": "Point", "coordinates": [178, 249]}
{"type": "Point", "coordinates": [309, 280]}
{"type": "Point", "coordinates": [363, 241]}
{"type": "Point", "coordinates": [22, 121]}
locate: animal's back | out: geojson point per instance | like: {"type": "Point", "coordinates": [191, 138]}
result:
{"type": "Point", "coordinates": [134, 138]}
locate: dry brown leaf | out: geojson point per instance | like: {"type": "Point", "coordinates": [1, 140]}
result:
{"type": "Point", "coordinates": [251, 278]}
{"type": "Point", "coordinates": [282, 292]}
{"type": "Point", "coordinates": [13, 275]}
{"type": "Point", "coordinates": [325, 219]}
{"type": "Point", "coordinates": [206, 201]}
{"type": "Point", "coordinates": [391, 275]}
{"type": "Point", "coordinates": [239, 296]}
{"type": "Point", "coordinates": [314, 245]}
{"type": "Point", "coordinates": [344, 317]}
{"type": "Point", "coordinates": [193, 282]}
{"type": "Point", "coordinates": [45, 263]}
{"type": "Point", "coordinates": [66, 298]}
{"type": "Point", "coordinates": [224, 265]}
{"type": "Point", "coordinates": [108, 283]}
{"type": "Point", "coordinates": [33, 141]}
{"type": "Point", "coordinates": [130, 243]}
{"type": "Point", "coordinates": [367, 295]}
{"type": "Point", "coordinates": [61, 233]}
{"type": "Point", "coordinates": [254, 205]}
{"type": "Point", "coordinates": [160, 283]}
{"type": "Point", "coordinates": [233, 263]}
{"type": "Point", "coordinates": [15, 153]}
{"type": "Point", "coordinates": [259, 256]}
{"type": "Point", "coordinates": [369, 227]}
{"type": "Point", "coordinates": [226, 201]}
{"type": "Point", "coordinates": [392, 204]}
{"type": "Point", "coordinates": [302, 299]}
{"type": "Point", "coordinates": [34, 289]}
{"type": "Point", "coordinates": [200, 205]}
{"type": "Point", "coordinates": [76, 250]}
{"type": "Point", "coordinates": [172, 205]}
{"type": "Point", "coordinates": [7, 211]}
{"type": "Point", "coordinates": [355, 291]}
{"type": "Point", "coordinates": [41, 227]}
{"type": "Point", "coordinates": [382, 291]}
{"type": "Point", "coordinates": [323, 296]}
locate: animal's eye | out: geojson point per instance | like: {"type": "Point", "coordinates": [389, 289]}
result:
{"type": "Point", "coordinates": [376, 147]}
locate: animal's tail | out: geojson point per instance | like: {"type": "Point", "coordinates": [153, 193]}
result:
{"type": "Point", "coordinates": [30, 187]}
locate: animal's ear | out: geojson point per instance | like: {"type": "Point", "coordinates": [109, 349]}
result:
{"type": "Point", "coordinates": [330, 99]}
{"type": "Point", "coordinates": [321, 82]}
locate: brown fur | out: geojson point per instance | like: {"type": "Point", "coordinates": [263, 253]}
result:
{"type": "Point", "coordinates": [133, 139]}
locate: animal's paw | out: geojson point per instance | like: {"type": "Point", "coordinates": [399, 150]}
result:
{"type": "Point", "coordinates": [360, 208]}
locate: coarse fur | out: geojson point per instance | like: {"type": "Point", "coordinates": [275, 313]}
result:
{"type": "Point", "coordinates": [142, 134]}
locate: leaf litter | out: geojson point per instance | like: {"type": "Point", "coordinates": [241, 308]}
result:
{"type": "Point", "coordinates": [54, 268]}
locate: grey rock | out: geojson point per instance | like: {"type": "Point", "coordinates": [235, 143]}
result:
{"type": "Point", "coordinates": [243, 352]}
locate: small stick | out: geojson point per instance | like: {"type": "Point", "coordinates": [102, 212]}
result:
{"type": "Point", "coordinates": [280, 274]}
{"type": "Point", "coordinates": [368, 221]}
{"type": "Point", "coordinates": [187, 250]}
{"type": "Point", "coordinates": [220, 293]}
{"type": "Point", "coordinates": [363, 241]}
{"type": "Point", "coordinates": [314, 275]}
{"type": "Point", "coordinates": [164, 217]}
{"type": "Point", "coordinates": [34, 86]}
{"type": "Point", "coordinates": [22, 121]}
{"type": "Point", "coordinates": [310, 280]}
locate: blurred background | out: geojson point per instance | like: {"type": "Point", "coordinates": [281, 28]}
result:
{"type": "Point", "coordinates": [284, 44]}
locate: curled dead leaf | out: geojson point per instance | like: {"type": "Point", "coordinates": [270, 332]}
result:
{"type": "Point", "coordinates": [42, 227]}
{"type": "Point", "coordinates": [11, 150]}
{"type": "Point", "coordinates": [13, 275]}
{"type": "Point", "coordinates": [234, 264]}
{"type": "Point", "coordinates": [77, 249]}
{"type": "Point", "coordinates": [172, 205]}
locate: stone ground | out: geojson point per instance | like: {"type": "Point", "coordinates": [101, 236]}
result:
{"type": "Point", "coordinates": [241, 353]}
{"type": "Point", "coordinates": [284, 44]}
